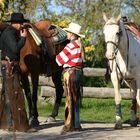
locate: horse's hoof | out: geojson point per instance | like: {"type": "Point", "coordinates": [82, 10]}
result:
{"type": "Point", "coordinates": [50, 119]}
{"type": "Point", "coordinates": [118, 125]}
{"type": "Point", "coordinates": [134, 123]}
{"type": "Point", "coordinates": [33, 122]}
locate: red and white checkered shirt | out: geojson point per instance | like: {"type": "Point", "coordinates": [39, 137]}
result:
{"type": "Point", "coordinates": [70, 56]}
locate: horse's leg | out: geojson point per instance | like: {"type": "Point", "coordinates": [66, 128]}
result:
{"type": "Point", "coordinates": [26, 87]}
{"type": "Point", "coordinates": [116, 84]}
{"type": "Point", "coordinates": [33, 64]}
{"type": "Point", "coordinates": [133, 89]}
{"type": "Point", "coordinates": [56, 78]}
{"type": "Point", "coordinates": [34, 117]}
{"type": "Point", "coordinates": [138, 93]}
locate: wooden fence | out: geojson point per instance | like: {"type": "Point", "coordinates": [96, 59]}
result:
{"type": "Point", "coordinates": [47, 87]}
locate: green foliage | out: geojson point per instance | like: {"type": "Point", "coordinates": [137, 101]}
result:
{"type": "Point", "coordinates": [4, 10]}
{"type": "Point", "coordinates": [87, 13]}
{"type": "Point", "coordinates": [94, 82]}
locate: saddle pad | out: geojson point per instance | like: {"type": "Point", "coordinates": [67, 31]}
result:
{"type": "Point", "coordinates": [60, 37]}
{"type": "Point", "coordinates": [133, 28]}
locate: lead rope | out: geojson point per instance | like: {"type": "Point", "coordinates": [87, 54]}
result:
{"type": "Point", "coordinates": [123, 78]}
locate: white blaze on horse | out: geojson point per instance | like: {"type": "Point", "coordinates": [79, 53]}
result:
{"type": "Point", "coordinates": [123, 52]}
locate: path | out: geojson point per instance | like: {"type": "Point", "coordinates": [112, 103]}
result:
{"type": "Point", "coordinates": [91, 131]}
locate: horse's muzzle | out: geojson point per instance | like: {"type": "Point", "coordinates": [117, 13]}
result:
{"type": "Point", "coordinates": [110, 56]}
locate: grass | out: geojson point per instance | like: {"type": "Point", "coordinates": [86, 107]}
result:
{"type": "Point", "coordinates": [94, 110]}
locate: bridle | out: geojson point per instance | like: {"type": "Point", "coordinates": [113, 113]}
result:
{"type": "Point", "coordinates": [116, 47]}
{"type": "Point", "coordinates": [116, 44]}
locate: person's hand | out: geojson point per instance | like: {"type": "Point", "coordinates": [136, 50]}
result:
{"type": "Point", "coordinates": [23, 33]}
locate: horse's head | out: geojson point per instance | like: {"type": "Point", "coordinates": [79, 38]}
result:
{"type": "Point", "coordinates": [111, 32]}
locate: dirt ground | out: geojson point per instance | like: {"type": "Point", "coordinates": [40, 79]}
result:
{"type": "Point", "coordinates": [90, 131]}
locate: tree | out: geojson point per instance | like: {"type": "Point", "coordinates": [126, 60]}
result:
{"type": "Point", "coordinates": [88, 13]}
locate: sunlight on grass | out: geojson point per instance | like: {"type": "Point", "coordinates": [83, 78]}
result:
{"type": "Point", "coordinates": [95, 110]}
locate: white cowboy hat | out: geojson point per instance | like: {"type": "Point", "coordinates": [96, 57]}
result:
{"type": "Point", "coordinates": [74, 28]}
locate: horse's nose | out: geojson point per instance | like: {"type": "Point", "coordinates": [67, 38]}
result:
{"type": "Point", "coordinates": [110, 56]}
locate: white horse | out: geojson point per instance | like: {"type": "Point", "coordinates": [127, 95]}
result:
{"type": "Point", "coordinates": [123, 53]}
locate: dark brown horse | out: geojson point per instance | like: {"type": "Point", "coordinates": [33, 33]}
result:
{"type": "Point", "coordinates": [32, 62]}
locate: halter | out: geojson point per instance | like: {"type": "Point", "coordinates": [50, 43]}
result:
{"type": "Point", "coordinates": [115, 44]}
{"type": "Point", "coordinates": [111, 42]}
{"type": "Point", "coordinates": [116, 51]}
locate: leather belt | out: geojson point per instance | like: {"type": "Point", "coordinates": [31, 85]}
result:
{"type": "Point", "coordinates": [68, 68]}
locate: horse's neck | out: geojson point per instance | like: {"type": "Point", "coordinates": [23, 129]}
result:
{"type": "Point", "coordinates": [123, 49]}
{"type": "Point", "coordinates": [123, 41]}
{"type": "Point", "coordinates": [122, 55]}
{"type": "Point", "coordinates": [122, 66]}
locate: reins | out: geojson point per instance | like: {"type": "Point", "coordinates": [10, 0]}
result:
{"type": "Point", "coordinates": [116, 51]}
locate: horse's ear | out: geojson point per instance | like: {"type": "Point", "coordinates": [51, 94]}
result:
{"type": "Point", "coordinates": [105, 17]}
{"type": "Point", "coordinates": [119, 17]}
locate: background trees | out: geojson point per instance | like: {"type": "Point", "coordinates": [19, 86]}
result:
{"type": "Point", "coordinates": [88, 13]}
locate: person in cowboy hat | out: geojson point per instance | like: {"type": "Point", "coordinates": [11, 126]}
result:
{"type": "Point", "coordinates": [13, 38]}
{"type": "Point", "coordinates": [71, 60]}
{"type": "Point", "coordinates": [12, 111]}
